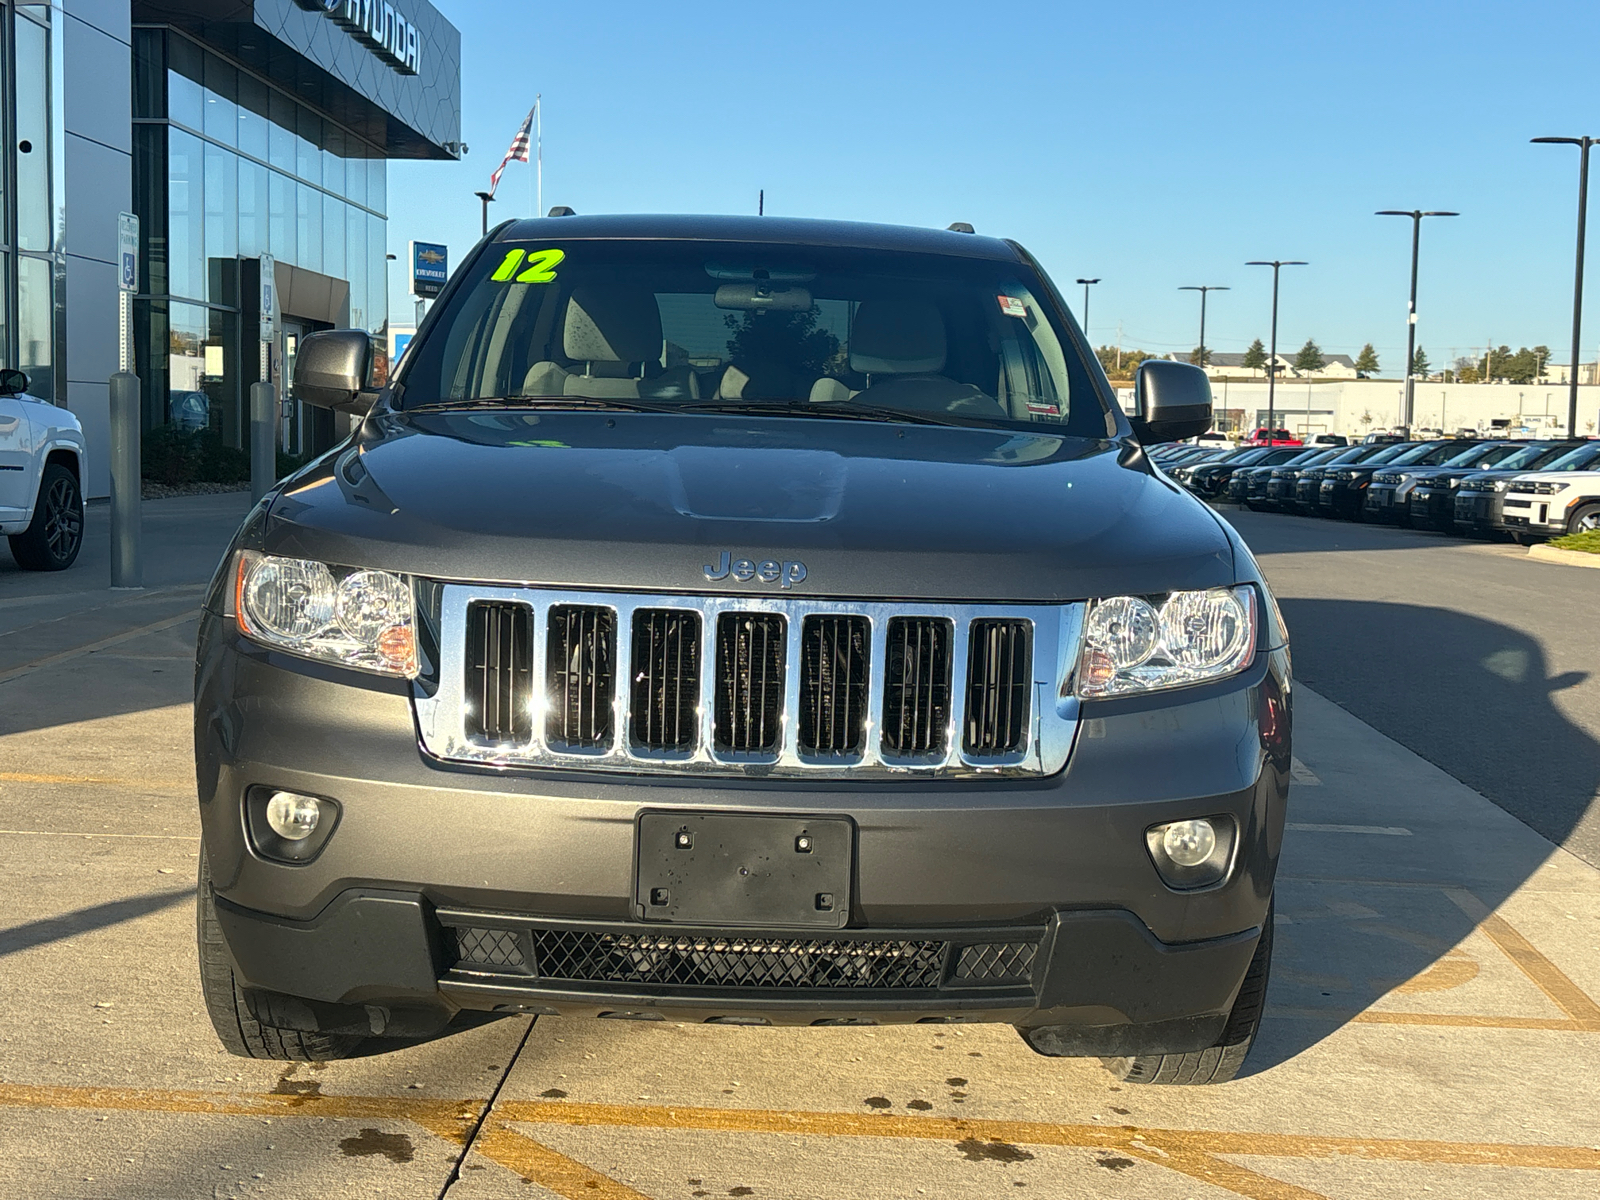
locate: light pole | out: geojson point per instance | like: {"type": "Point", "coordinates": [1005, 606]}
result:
{"type": "Point", "coordinates": [488, 199]}
{"type": "Point", "coordinates": [1583, 145]}
{"type": "Point", "coordinates": [1272, 354]}
{"type": "Point", "coordinates": [1416, 216]}
{"type": "Point", "coordinates": [1210, 287]}
{"type": "Point", "coordinates": [1086, 283]}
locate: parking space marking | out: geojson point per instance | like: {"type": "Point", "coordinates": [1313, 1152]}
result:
{"type": "Point", "coordinates": [1546, 976]}
{"type": "Point", "coordinates": [51, 660]}
{"type": "Point", "coordinates": [538, 1163]}
{"type": "Point", "coordinates": [156, 837]}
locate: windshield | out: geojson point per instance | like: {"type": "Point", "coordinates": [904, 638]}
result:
{"type": "Point", "coordinates": [1472, 454]}
{"type": "Point", "coordinates": [1576, 460]}
{"type": "Point", "coordinates": [795, 330]}
{"type": "Point", "coordinates": [1243, 458]}
{"type": "Point", "coordinates": [1533, 456]}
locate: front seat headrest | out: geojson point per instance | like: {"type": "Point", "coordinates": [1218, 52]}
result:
{"type": "Point", "coordinates": [897, 337]}
{"type": "Point", "coordinates": [612, 324]}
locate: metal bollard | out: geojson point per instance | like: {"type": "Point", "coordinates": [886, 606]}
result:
{"type": "Point", "coordinates": [127, 557]}
{"type": "Point", "coordinates": [263, 439]}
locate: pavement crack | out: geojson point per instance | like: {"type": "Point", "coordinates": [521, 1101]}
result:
{"type": "Point", "coordinates": [451, 1179]}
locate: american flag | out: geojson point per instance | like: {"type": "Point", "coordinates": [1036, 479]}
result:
{"type": "Point", "coordinates": [518, 151]}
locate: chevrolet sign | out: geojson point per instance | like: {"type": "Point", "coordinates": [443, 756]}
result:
{"type": "Point", "coordinates": [379, 26]}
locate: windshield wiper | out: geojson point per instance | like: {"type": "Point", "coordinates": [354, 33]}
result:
{"type": "Point", "coordinates": [587, 403]}
{"type": "Point", "coordinates": [832, 409]}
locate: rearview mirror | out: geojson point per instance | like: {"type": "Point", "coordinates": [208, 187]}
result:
{"type": "Point", "coordinates": [1172, 401]}
{"type": "Point", "coordinates": [12, 382]}
{"type": "Point", "coordinates": [332, 368]}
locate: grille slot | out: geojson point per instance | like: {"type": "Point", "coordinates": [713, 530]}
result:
{"type": "Point", "coordinates": [499, 674]}
{"type": "Point", "coordinates": [666, 679]}
{"type": "Point", "coordinates": [579, 677]}
{"type": "Point", "coordinates": [697, 960]}
{"type": "Point", "coordinates": [999, 671]}
{"type": "Point", "coordinates": [995, 962]}
{"type": "Point", "coordinates": [916, 686]}
{"type": "Point", "coordinates": [751, 651]}
{"type": "Point", "coordinates": [833, 684]}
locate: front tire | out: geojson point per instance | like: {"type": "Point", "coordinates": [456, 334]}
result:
{"type": "Point", "coordinates": [1221, 1062]}
{"type": "Point", "coordinates": [1585, 520]}
{"type": "Point", "coordinates": [53, 538]}
{"type": "Point", "coordinates": [231, 1016]}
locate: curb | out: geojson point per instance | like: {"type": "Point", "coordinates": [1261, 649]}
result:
{"type": "Point", "coordinates": [1571, 558]}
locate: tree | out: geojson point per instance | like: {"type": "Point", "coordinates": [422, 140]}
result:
{"type": "Point", "coordinates": [1366, 418]}
{"type": "Point", "coordinates": [1255, 357]}
{"type": "Point", "coordinates": [1419, 364]}
{"type": "Point", "coordinates": [1130, 360]}
{"type": "Point", "coordinates": [1309, 359]}
{"type": "Point", "coordinates": [1367, 361]}
{"type": "Point", "coordinates": [1200, 355]}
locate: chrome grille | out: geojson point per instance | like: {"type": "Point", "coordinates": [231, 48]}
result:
{"type": "Point", "coordinates": [750, 669]}
{"type": "Point", "coordinates": [666, 679]}
{"type": "Point", "coordinates": [749, 685]}
{"type": "Point", "coordinates": [916, 694]}
{"type": "Point", "coordinates": [833, 684]}
{"type": "Point", "coordinates": [578, 676]}
{"type": "Point", "coordinates": [499, 669]}
{"type": "Point", "coordinates": [998, 676]}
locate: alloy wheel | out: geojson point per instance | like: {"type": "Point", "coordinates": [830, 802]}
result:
{"type": "Point", "coordinates": [63, 520]}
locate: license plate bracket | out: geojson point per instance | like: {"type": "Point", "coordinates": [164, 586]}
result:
{"type": "Point", "coordinates": [743, 870]}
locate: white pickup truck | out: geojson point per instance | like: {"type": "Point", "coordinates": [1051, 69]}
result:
{"type": "Point", "coordinates": [42, 467]}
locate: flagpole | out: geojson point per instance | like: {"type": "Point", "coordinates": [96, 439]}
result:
{"type": "Point", "coordinates": [538, 124]}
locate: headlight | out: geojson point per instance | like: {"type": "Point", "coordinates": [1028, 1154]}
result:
{"type": "Point", "coordinates": [1549, 488]}
{"type": "Point", "coordinates": [1130, 645]}
{"type": "Point", "coordinates": [1501, 485]}
{"type": "Point", "coordinates": [351, 617]}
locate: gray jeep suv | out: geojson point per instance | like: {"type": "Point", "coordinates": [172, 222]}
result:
{"type": "Point", "coordinates": [748, 621]}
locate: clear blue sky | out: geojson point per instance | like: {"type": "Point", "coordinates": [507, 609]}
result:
{"type": "Point", "coordinates": [1153, 144]}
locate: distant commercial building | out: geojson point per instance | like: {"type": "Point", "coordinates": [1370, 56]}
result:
{"type": "Point", "coordinates": [1334, 366]}
{"type": "Point", "coordinates": [233, 129]}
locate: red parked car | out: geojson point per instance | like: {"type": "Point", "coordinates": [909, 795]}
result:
{"type": "Point", "coordinates": [1278, 437]}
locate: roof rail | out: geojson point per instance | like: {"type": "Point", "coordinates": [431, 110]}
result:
{"type": "Point", "coordinates": [959, 227]}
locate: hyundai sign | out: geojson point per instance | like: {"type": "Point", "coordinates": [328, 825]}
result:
{"type": "Point", "coordinates": [430, 267]}
{"type": "Point", "coordinates": [379, 26]}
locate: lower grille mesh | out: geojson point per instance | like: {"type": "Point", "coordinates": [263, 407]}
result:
{"type": "Point", "coordinates": [694, 961]}
{"type": "Point", "coordinates": [750, 671]}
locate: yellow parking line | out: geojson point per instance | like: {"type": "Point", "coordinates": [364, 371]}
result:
{"type": "Point", "coordinates": [1373, 1016]}
{"type": "Point", "coordinates": [1546, 976]}
{"type": "Point", "coordinates": [51, 660]}
{"type": "Point", "coordinates": [1123, 1137]}
{"type": "Point", "coordinates": [539, 1164]}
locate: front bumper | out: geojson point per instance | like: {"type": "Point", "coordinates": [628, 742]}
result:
{"type": "Point", "coordinates": [1382, 502]}
{"type": "Point", "coordinates": [1542, 515]}
{"type": "Point", "coordinates": [364, 935]}
{"type": "Point", "coordinates": [1434, 505]}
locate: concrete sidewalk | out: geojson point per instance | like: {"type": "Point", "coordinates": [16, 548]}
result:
{"type": "Point", "coordinates": [1432, 1024]}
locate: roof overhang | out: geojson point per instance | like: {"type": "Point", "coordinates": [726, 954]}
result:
{"type": "Point", "coordinates": [388, 69]}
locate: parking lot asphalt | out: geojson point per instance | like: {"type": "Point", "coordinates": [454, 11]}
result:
{"type": "Point", "coordinates": [1484, 661]}
{"type": "Point", "coordinates": [1433, 1019]}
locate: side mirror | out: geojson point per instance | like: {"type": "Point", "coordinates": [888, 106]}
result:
{"type": "Point", "coordinates": [1172, 401]}
{"type": "Point", "coordinates": [12, 382]}
{"type": "Point", "coordinates": [331, 369]}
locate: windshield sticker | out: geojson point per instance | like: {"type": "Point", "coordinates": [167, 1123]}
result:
{"type": "Point", "coordinates": [1012, 307]}
{"type": "Point", "coordinates": [540, 266]}
{"type": "Point", "coordinates": [1043, 408]}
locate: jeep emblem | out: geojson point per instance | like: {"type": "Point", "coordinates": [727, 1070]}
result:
{"type": "Point", "coordinates": [784, 574]}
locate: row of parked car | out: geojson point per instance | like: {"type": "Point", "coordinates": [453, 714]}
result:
{"type": "Point", "coordinates": [1529, 490]}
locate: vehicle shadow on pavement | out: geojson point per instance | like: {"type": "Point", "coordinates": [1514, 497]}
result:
{"type": "Point", "coordinates": [1386, 893]}
{"type": "Point", "coordinates": [87, 920]}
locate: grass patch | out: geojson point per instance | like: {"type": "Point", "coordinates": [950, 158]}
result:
{"type": "Point", "coordinates": [1587, 542]}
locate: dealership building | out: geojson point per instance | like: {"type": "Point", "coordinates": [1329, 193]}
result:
{"type": "Point", "coordinates": [233, 129]}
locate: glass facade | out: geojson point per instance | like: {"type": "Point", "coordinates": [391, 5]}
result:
{"type": "Point", "coordinates": [228, 168]}
{"type": "Point", "coordinates": [32, 268]}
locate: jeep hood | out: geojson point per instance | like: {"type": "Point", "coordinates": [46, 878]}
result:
{"type": "Point", "coordinates": [646, 501]}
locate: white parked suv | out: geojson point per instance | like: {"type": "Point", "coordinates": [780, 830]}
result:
{"type": "Point", "coordinates": [42, 465]}
{"type": "Point", "coordinates": [1552, 503]}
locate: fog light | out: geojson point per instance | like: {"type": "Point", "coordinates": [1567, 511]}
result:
{"type": "Point", "coordinates": [293, 817]}
{"type": "Point", "coordinates": [1189, 843]}
{"type": "Point", "coordinates": [1191, 854]}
